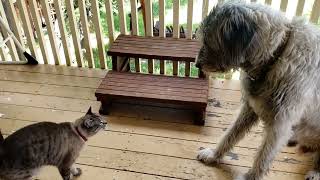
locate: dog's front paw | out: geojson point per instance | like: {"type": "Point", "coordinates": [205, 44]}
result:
{"type": "Point", "coordinates": [247, 176]}
{"type": "Point", "coordinates": [76, 171]}
{"type": "Point", "coordinates": [207, 156]}
{"type": "Point", "coordinates": [313, 175]}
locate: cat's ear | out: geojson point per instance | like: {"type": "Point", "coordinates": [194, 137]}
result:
{"type": "Point", "coordinates": [89, 111]}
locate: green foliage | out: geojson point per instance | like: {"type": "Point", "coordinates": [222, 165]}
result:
{"type": "Point", "coordinates": [97, 60]}
{"type": "Point", "coordinates": [168, 5]}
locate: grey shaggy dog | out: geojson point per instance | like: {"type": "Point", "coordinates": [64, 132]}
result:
{"type": "Point", "coordinates": [280, 61]}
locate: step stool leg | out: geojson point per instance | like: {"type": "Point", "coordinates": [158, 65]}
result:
{"type": "Point", "coordinates": [105, 107]}
{"type": "Point", "coordinates": [114, 63]}
{"type": "Point", "coordinates": [199, 117]}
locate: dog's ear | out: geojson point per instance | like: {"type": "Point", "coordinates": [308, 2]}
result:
{"type": "Point", "coordinates": [237, 30]}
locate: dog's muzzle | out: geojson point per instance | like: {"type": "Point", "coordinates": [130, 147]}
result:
{"type": "Point", "coordinates": [198, 65]}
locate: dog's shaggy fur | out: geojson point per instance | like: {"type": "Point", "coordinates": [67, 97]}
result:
{"type": "Point", "coordinates": [280, 61]}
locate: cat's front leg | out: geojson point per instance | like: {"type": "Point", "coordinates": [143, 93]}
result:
{"type": "Point", "coordinates": [65, 172]}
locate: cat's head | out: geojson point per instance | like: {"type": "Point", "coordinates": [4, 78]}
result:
{"type": "Point", "coordinates": [90, 124]}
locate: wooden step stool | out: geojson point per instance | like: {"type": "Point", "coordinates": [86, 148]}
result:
{"type": "Point", "coordinates": [156, 90]}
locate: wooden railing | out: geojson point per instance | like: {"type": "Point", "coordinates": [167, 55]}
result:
{"type": "Point", "coordinates": [55, 34]}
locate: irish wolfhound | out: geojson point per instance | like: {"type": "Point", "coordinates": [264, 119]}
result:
{"type": "Point", "coordinates": [280, 60]}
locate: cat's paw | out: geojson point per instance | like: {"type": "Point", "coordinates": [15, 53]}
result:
{"type": "Point", "coordinates": [207, 156]}
{"type": "Point", "coordinates": [312, 175]}
{"type": "Point", "coordinates": [240, 177]}
{"type": "Point", "coordinates": [76, 172]}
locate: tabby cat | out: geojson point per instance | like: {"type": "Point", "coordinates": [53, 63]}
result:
{"type": "Point", "coordinates": [46, 143]}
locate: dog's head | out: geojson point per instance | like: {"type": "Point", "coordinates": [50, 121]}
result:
{"type": "Point", "coordinates": [225, 35]}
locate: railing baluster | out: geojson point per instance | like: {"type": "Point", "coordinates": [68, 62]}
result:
{"type": "Point", "coordinates": [97, 27]}
{"type": "Point", "coordinates": [110, 22]}
{"type": "Point", "coordinates": [176, 30]}
{"type": "Point", "coordinates": [149, 29]}
{"type": "Point", "coordinates": [10, 43]}
{"type": "Point", "coordinates": [74, 32]}
{"type": "Point", "coordinates": [162, 32]}
{"type": "Point", "coordinates": [284, 5]}
{"type": "Point", "coordinates": [205, 7]}
{"type": "Point", "coordinates": [27, 27]}
{"type": "Point", "coordinates": [2, 54]}
{"type": "Point", "coordinates": [51, 33]}
{"type": "Point", "coordinates": [300, 7]}
{"type": "Point", "coordinates": [38, 25]}
{"type": "Point", "coordinates": [86, 33]}
{"type": "Point", "coordinates": [122, 17]}
{"type": "Point", "coordinates": [63, 31]}
{"type": "Point", "coordinates": [315, 13]}
{"type": "Point", "coordinates": [14, 24]}
{"type": "Point", "coordinates": [134, 23]}
{"type": "Point", "coordinates": [268, 2]}
{"type": "Point", "coordinates": [190, 19]}
{"type": "Point", "coordinates": [134, 17]}
{"type": "Point", "coordinates": [189, 33]}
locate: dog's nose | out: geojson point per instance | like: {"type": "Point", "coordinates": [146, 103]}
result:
{"type": "Point", "coordinates": [198, 65]}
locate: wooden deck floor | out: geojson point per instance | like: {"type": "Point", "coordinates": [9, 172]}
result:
{"type": "Point", "coordinates": [142, 142]}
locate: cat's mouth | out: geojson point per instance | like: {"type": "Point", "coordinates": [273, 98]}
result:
{"type": "Point", "coordinates": [102, 125]}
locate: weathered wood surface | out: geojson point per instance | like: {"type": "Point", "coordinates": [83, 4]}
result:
{"type": "Point", "coordinates": [137, 136]}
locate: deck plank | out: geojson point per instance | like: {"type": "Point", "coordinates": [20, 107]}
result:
{"type": "Point", "coordinates": [135, 126]}
{"type": "Point", "coordinates": [128, 159]}
{"type": "Point", "coordinates": [59, 70]}
{"type": "Point", "coordinates": [49, 102]}
{"type": "Point", "coordinates": [175, 148]}
{"type": "Point", "coordinates": [136, 133]}
{"type": "Point", "coordinates": [58, 79]}
{"type": "Point", "coordinates": [99, 173]}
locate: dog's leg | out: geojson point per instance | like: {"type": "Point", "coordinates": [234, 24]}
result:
{"type": "Point", "coordinates": [246, 119]}
{"type": "Point", "coordinates": [278, 133]}
{"type": "Point", "coordinates": [293, 140]}
{"type": "Point", "coordinates": [315, 173]}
